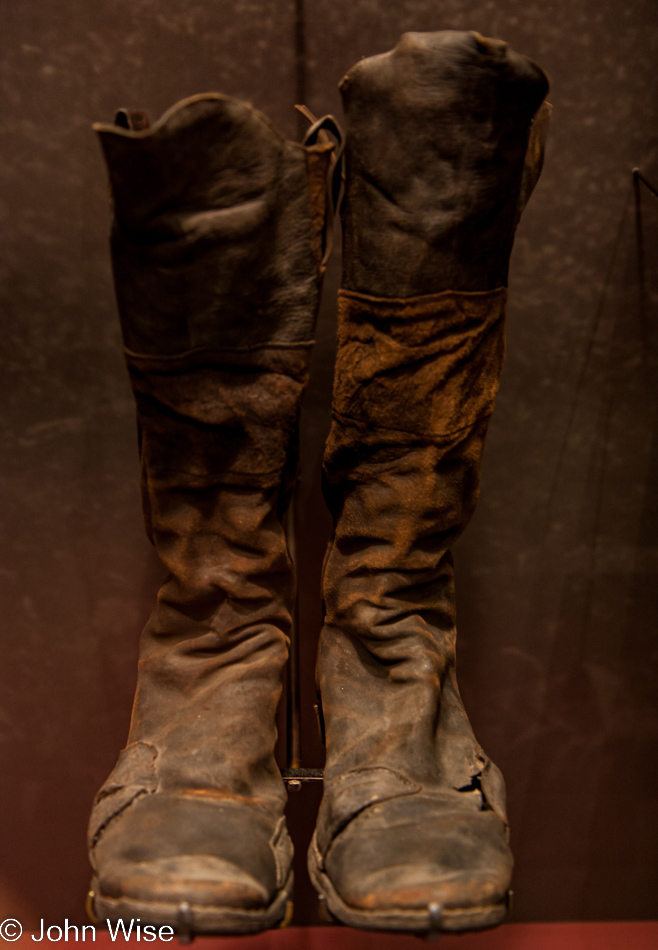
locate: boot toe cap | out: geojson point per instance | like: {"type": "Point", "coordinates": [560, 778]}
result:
{"type": "Point", "coordinates": [165, 849]}
{"type": "Point", "coordinates": [407, 854]}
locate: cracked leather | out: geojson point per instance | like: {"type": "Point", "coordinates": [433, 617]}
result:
{"type": "Point", "coordinates": [441, 155]}
{"type": "Point", "coordinates": [216, 256]}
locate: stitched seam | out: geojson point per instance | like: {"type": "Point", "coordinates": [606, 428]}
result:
{"type": "Point", "coordinates": [394, 302]}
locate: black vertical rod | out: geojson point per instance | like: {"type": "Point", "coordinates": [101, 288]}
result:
{"type": "Point", "coordinates": [293, 697]}
{"type": "Point", "coordinates": [300, 63]}
{"type": "Point", "coordinates": [639, 245]}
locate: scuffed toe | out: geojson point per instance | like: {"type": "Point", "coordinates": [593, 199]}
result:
{"type": "Point", "coordinates": [410, 852]}
{"type": "Point", "coordinates": [209, 881]}
{"type": "Point", "coordinates": [416, 863]}
{"type": "Point", "coordinates": [227, 860]}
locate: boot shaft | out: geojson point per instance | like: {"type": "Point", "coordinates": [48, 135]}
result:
{"type": "Point", "coordinates": [440, 157]}
{"type": "Point", "coordinates": [437, 134]}
{"type": "Point", "coordinates": [217, 259]}
{"type": "Point", "coordinates": [215, 241]}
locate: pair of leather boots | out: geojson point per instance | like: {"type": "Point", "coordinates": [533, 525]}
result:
{"type": "Point", "coordinates": [218, 244]}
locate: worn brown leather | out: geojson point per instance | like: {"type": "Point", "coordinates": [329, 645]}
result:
{"type": "Point", "coordinates": [412, 831]}
{"type": "Point", "coordinates": [216, 256]}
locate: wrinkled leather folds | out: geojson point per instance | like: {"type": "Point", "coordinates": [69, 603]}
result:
{"type": "Point", "coordinates": [437, 135]}
{"type": "Point", "coordinates": [213, 241]}
{"type": "Point", "coordinates": [402, 493]}
{"type": "Point", "coordinates": [417, 368]}
{"type": "Point", "coordinates": [440, 157]}
{"type": "Point", "coordinates": [217, 266]}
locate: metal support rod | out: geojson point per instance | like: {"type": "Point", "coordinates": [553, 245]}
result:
{"type": "Point", "coordinates": [639, 177]}
{"type": "Point", "coordinates": [294, 775]}
{"type": "Point", "coordinates": [293, 698]}
{"type": "Point", "coordinates": [300, 63]}
{"type": "Point", "coordinates": [639, 246]}
{"type": "Point", "coordinates": [638, 180]}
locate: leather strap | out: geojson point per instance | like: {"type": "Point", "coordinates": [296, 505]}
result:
{"type": "Point", "coordinates": [320, 131]}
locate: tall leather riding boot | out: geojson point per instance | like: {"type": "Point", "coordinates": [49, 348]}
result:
{"type": "Point", "coordinates": [216, 252]}
{"type": "Point", "coordinates": [441, 154]}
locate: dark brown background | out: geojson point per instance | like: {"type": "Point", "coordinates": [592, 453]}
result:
{"type": "Point", "coordinates": [557, 575]}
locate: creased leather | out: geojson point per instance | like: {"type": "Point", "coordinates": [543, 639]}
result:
{"type": "Point", "coordinates": [354, 791]}
{"type": "Point", "coordinates": [212, 246]}
{"type": "Point", "coordinates": [133, 775]}
{"type": "Point", "coordinates": [218, 419]}
{"type": "Point", "coordinates": [217, 282]}
{"type": "Point", "coordinates": [437, 165]}
{"type": "Point", "coordinates": [436, 147]}
{"type": "Point", "coordinates": [387, 652]}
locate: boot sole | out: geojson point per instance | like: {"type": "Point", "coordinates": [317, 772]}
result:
{"type": "Point", "coordinates": [430, 920]}
{"type": "Point", "coordinates": [189, 919]}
